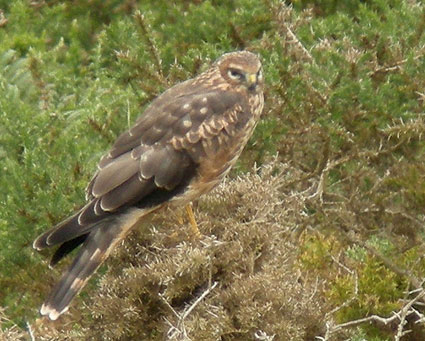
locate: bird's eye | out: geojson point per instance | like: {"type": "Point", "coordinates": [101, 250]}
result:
{"type": "Point", "coordinates": [235, 74]}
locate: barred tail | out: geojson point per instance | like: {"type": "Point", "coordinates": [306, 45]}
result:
{"type": "Point", "coordinates": [96, 248]}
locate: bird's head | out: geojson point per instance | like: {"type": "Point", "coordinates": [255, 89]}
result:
{"type": "Point", "coordinates": [242, 70]}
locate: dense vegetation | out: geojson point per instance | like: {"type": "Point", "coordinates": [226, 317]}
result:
{"type": "Point", "coordinates": [318, 232]}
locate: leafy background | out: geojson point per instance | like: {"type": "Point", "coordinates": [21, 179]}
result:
{"type": "Point", "coordinates": [317, 233]}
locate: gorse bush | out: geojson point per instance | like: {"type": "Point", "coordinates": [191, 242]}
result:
{"type": "Point", "coordinates": [319, 230]}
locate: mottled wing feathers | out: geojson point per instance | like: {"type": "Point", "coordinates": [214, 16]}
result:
{"type": "Point", "coordinates": [117, 187]}
{"type": "Point", "coordinates": [114, 174]}
{"type": "Point", "coordinates": [147, 149]}
{"type": "Point", "coordinates": [163, 121]}
{"type": "Point", "coordinates": [142, 162]}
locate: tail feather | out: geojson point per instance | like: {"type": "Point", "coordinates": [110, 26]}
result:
{"type": "Point", "coordinates": [66, 248]}
{"type": "Point", "coordinates": [41, 241]}
{"type": "Point", "coordinates": [70, 228]}
{"type": "Point", "coordinates": [97, 246]}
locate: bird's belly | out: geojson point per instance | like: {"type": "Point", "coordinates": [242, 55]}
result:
{"type": "Point", "coordinates": [219, 156]}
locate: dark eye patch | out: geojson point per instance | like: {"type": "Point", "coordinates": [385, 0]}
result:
{"type": "Point", "coordinates": [234, 73]}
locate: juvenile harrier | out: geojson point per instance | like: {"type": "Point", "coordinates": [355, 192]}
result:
{"type": "Point", "coordinates": [180, 148]}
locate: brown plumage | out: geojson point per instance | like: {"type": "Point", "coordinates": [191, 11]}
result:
{"type": "Point", "coordinates": [180, 148]}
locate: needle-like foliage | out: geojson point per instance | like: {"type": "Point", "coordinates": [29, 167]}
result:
{"type": "Point", "coordinates": [323, 238]}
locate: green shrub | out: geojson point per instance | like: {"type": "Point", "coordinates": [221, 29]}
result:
{"type": "Point", "coordinates": [331, 228]}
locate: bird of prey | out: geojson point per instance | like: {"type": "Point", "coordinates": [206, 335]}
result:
{"type": "Point", "coordinates": [185, 142]}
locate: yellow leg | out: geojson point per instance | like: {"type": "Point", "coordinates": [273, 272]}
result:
{"type": "Point", "coordinates": [192, 221]}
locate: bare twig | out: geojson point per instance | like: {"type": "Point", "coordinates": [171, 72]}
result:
{"type": "Point", "coordinates": [395, 66]}
{"type": "Point", "coordinates": [262, 336]}
{"type": "Point", "coordinates": [283, 15]}
{"type": "Point", "coordinates": [205, 293]}
{"type": "Point", "coordinates": [30, 332]}
{"type": "Point", "coordinates": [400, 315]}
{"type": "Point", "coordinates": [140, 18]}
{"type": "Point", "coordinates": [178, 331]}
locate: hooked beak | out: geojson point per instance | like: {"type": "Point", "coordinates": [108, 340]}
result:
{"type": "Point", "coordinates": [252, 81]}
